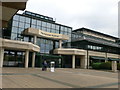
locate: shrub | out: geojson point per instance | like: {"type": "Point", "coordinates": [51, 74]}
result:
{"type": "Point", "coordinates": [105, 65]}
{"type": "Point", "coordinates": [96, 65]}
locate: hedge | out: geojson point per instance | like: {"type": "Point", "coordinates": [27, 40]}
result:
{"type": "Point", "coordinates": [96, 65]}
{"type": "Point", "coordinates": [104, 65]}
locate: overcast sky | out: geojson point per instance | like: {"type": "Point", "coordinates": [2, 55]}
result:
{"type": "Point", "coordinates": [99, 15]}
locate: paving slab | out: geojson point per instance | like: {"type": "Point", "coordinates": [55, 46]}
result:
{"type": "Point", "coordinates": [61, 78]}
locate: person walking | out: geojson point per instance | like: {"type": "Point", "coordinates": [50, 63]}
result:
{"type": "Point", "coordinates": [44, 68]}
{"type": "Point", "coordinates": [45, 65]}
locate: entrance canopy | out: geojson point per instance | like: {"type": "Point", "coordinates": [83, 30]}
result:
{"type": "Point", "coordinates": [114, 59]}
{"type": "Point", "coordinates": [97, 58]}
{"type": "Point", "coordinates": [41, 33]}
{"type": "Point", "coordinates": [69, 51]}
{"type": "Point", "coordinates": [18, 45]}
{"type": "Point", "coordinates": [103, 58]}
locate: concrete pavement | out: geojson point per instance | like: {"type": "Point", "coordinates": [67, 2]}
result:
{"type": "Point", "coordinates": [61, 78]}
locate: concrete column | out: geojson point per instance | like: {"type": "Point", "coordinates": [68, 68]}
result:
{"type": "Point", "coordinates": [106, 57]}
{"type": "Point", "coordinates": [114, 66]}
{"type": "Point", "coordinates": [60, 43]}
{"type": "Point", "coordinates": [33, 59]}
{"type": "Point", "coordinates": [60, 61]}
{"type": "Point", "coordinates": [88, 61]}
{"type": "Point", "coordinates": [84, 62]}
{"type": "Point", "coordinates": [26, 58]}
{"type": "Point", "coordinates": [33, 56]}
{"type": "Point", "coordinates": [35, 39]}
{"type": "Point", "coordinates": [73, 61]}
{"type": "Point", "coordinates": [1, 57]}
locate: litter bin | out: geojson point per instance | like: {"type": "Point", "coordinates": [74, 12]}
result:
{"type": "Point", "coordinates": [52, 66]}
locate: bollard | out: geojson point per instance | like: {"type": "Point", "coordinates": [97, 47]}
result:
{"type": "Point", "coordinates": [52, 66]}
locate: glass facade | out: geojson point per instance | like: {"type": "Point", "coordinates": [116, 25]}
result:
{"type": "Point", "coordinates": [21, 22]}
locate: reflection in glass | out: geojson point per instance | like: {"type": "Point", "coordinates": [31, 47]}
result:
{"type": "Point", "coordinates": [14, 36]}
{"type": "Point", "coordinates": [22, 19]}
{"type": "Point", "coordinates": [49, 25]}
{"type": "Point", "coordinates": [15, 23]}
{"type": "Point", "coordinates": [39, 23]}
{"type": "Point", "coordinates": [33, 26]}
{"type": "Point", "coordinates": [53, 26]}
{"type": "Point", "coordinates": [20, 30]}
{"type": "Point", "coordinates": [43, 24]}
{"type": "Point", "coordinates": [14, 29]}
{"type": "Point", "coordinates": [21, 25]}
{"type": "Point", "coordinates": [26, 39]}
{"type": "Point", "coordinates": [34, 21]}
{"type": "Point", "coordinates": [16, 17]}
{"type": "Point", "coordinates": [27, 20]}
{"type": "Point", "coordinates": [27, 25]}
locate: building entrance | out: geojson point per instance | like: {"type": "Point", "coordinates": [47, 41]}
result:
{"type": "Point", "coordinates": [77, 63]}
{"type": "Point", "coordinates": [40, 58]}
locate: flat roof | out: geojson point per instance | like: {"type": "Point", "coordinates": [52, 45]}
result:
{"type": "Point", "coordinates": [86, 29]}
{"type": "Point", "coordinates": [97, 42]}
{"type": "Point", "coordinates": [34, 17]}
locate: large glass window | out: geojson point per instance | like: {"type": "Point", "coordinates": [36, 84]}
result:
{"type": "Point", "coordinates": [14, 36]}
{"type": "Point", "coordinates": [33, 26]}
{"type": "Point", "coordinates": [47, 46]}
{"type": "Point", "coordinates": [15, 23]}
{"type": "Point", "coordinates": [53, 31]}
{"type": "Point", "coordinates": [62, 28]}
{"type": "Point", "coordinates": [51, 47]}
{"type": "Point", "coordinates": [44, 24]}
{"type": "Point", "coordinates": [48, 29]}
{"type": "Point", "coordinates": [56, 45]}
{"type": "Point", "coordinates": [53, 26]}
{"type": "Point", "coordinates": [57, 27]}
{"type": "Point", "coordinates": [69, 30]}
{"type": "Point", "coordinates": [20, 30]}
{"type": "Point", "coordinates": [16, 17]}
{"type": "Point", "coordinates": [14, 29]}
{"type": "Point", "coordinates": [27, 20]}
{"type": "Point", "coordinates": [39, 23]}
{"type": "Point", "coordinates": [27, 25]}
{"type": "Point", "coordinates": [22, 19]}
{"type": "Point", "coordinates": [57, 31]}
{"type": "Point", "coordinates": [21, 24]}
{"type": "Point", "coordinates": [65, 29]}
{"type": "Point", "coordinates": [34, 21]}
{"type": "Point", "coordinates": [26, 39]}
{"type": "Point", "coordinates": [49, 25]}
{"type": "Point", "coordinates": [38, 27]}
{"type": "Point", "coordinates": [44, 29]}
{"type": "Point", "coordinates": [38, 41]}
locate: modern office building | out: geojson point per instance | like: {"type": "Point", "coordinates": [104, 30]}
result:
{"type": "Point", "coordinates": [31, 38]}
{"type": "Point", "coordinates": [90, 46]}
{"type": "Point", "coordinates": [24, 27]}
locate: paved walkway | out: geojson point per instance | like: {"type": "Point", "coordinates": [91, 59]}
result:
{"type": "Point", "coordinates": [61, 78]}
